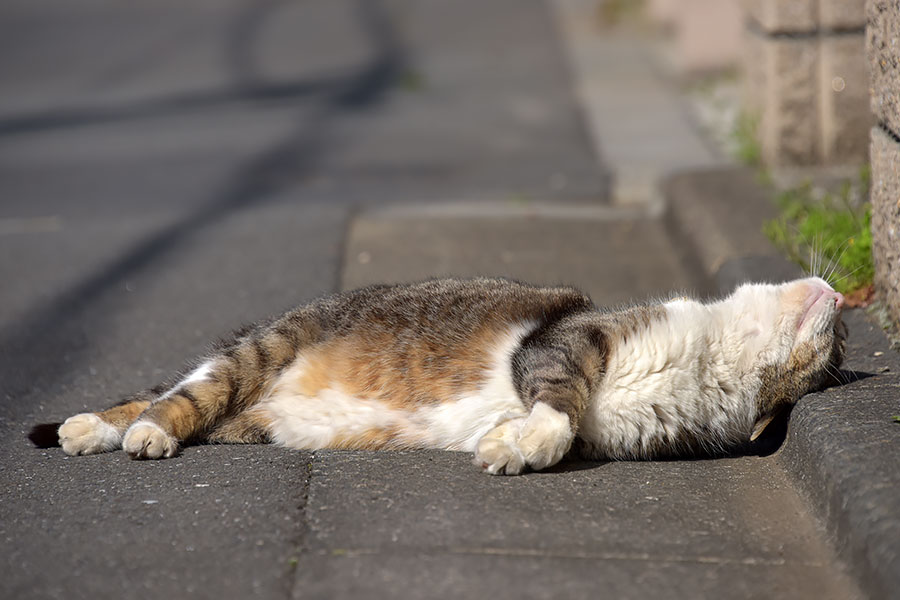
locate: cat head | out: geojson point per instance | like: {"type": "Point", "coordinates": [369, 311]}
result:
{"type": "Point", "coordinates": [792, 340]}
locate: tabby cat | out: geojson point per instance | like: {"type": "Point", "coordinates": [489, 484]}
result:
{"type": "Point", "coordinates": [519, 375]}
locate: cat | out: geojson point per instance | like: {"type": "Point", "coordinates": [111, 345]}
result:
{"type": "Point", "coordinates": [519, 375]}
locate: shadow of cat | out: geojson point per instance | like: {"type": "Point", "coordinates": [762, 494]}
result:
{"type": "Point", "coordinates": [44, 435]}
{"type": "Point", "coordinates": [767, 444]}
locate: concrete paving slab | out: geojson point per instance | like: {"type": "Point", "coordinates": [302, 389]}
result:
{"type": "Point", "coordinates": [215, 522]}
{"type": "Point", "coordinates": [391, 522]}
{"type": "Point", "coordinates": [617, 256]}
{"type": "Point", "coordinates": [502, 576]}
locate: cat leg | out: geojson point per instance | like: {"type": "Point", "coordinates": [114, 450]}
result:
{"type": "Point", "coordinates": [553, 373]}
{"type": "Point", "coordinates": [214, 402]}
{"type": "Point", "coordinates": [249, 427]}
{"type": "Point", "coordinates": [182, 414]}
{"type": "Point", "coordinates": [546, 436]}
{"type": "Point", "coordinates": [537, 441]}
{"type": "Point", "coordinates": [92, 433]}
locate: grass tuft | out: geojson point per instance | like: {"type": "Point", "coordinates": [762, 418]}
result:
{"type": "Point", "coordinates": [746, 141]}
{"type": "Point", "coordinates": [828, 233]}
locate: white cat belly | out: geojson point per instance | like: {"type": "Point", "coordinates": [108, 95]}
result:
{"type": "Point", "coordinates": [673, 377]}
{"type": "Point", "coordinates": [313, 422]}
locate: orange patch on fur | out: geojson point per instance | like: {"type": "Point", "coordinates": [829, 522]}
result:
{"type": "Point", "coordinates": [795, 296]}
{"type": "Point", "coordinates": [124, 415]}
{"type": "Point", "coordinates": [373, 439]}
{"type": "Point", "coordinates": [247, 427]}
{"type": "Point", "coordinates": [177, 416]}
{"type": "Point", "coordinates": [399, 373]}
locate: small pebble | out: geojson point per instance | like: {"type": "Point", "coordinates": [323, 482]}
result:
{"type": "Point", "coordinates": [879, 353]}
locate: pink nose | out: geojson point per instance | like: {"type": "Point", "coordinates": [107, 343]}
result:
{"type": "Point", "coordinates": [838, 300]}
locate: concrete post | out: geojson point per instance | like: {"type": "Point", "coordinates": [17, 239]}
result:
{"type": "Point", "coordinates": [806, 80]}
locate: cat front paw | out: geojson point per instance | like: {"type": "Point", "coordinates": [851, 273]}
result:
{"type": "Point", "coordinates": [148, 440]}
{"type": "Point", "coordinates": [86, 433]}
{"type": "Point", "coordinates": [539, 441]}
{"type": "Point", "coordinates": [546, 436]}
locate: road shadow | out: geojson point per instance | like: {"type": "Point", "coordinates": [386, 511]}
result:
{"type": "Point", "coordinates": [768, 443]}
{"type": "Point", "coordinates": [24, 353]}
{"type": "Point", "coordinates": [44, 435]}
{"type": "Point", "coordinates": [573, 465]}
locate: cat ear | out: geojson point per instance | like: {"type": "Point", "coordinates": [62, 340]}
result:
{"type": "Point", "coordinates": [761, 423]}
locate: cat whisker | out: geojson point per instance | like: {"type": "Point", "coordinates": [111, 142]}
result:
{"type": "Point", "coordinates": [818, 256]}
{"type": "Point", "coordinates": [836, 374]}
{"type": "Point", "coordinates": [845, 276]}
{"type": "Point", "coordinates": [837, 262]}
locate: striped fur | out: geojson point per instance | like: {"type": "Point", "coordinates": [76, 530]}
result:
{"type": "Point", "coordinates": [515, 373]}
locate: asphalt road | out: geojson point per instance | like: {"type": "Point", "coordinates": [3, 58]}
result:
{"type": "Point", "coordinates": [170, 170]}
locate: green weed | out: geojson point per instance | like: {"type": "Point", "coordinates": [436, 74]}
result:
{"type": "Point", "coordinates": [411, 81]}
{"type": "Point", "coordinates": [746, 141]}
{"type": "Point", "coordinates": [828, 233]}
{"type": "Point", "coordinates": [615, 12]}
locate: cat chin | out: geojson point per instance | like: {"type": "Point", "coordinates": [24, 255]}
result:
{"type": "Point", "coordinates": [774, 320]}
{"type": "Point", "coordinates": [811, 304]}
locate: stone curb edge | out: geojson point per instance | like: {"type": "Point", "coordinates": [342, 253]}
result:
{"type": "Point", "coordinates": [842, 447]}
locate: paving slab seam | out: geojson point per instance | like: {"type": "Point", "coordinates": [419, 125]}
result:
{"type": "Point", "coordinates": [302, 546]}
{"type": "Point", "coordinates": [591, 556]}
{"type": "Point", "coordinates": [841, 450]}
{"type": "Point", "coordinates": [500, 209]}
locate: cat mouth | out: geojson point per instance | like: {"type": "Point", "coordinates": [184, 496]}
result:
{"type": "Point", "coordinates": [809, 305]}
{"type": "Point", "coordinates": [820, 297]}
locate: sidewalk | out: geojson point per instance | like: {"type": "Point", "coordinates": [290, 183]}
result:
{"type": "Point", "coordinates": [485, 169]}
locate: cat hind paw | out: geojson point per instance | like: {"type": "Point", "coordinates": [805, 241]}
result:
{"type": "Point", "coordinates": [148, 440]}
{"type": "Point", "coordinates": [86, 433]}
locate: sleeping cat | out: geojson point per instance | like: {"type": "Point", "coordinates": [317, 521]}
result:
{"type": "Point", "coordinates": [519, 375]}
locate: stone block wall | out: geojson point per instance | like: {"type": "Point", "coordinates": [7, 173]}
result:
{"type": "Point", "coordinates": [806, 80]}
{"type": "Point", "coordinates": [883, 53]}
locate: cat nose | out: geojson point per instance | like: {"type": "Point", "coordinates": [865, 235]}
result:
{"type": "Point", "coordinates": [838, 300]}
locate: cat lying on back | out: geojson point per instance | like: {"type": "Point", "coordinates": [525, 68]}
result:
{"type": "Point", "coordinates": [519, 375]}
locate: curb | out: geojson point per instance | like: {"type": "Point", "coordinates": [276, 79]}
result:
{"type": "Point", "coordinates": [718, 213]}
{"type": "Point", "coordinates": [842, 448]}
